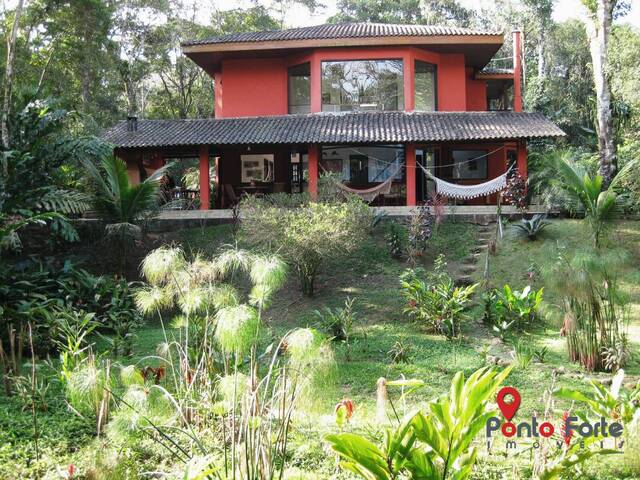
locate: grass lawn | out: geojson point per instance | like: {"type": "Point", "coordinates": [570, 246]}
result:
{"type": "Point", "coordinates": [371, 277]}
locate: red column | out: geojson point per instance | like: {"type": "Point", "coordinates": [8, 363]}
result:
{"type": "Point", "coordinates": [313, 171]}
{"type": "Point", "coordinates": [204, 178]}
{"type": "Point", "coordinates": [521, 161]}
{"type": "Point", "coordinates": [517, 71]}
{"type": "Point", "coordinates": [316, 84]}
{"type": "Point", "coordinates": [409, 83]}
{"type": "Point", "coordinates": [410, 173]}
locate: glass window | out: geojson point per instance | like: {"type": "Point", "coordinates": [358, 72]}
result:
{"type": "Point", "coordinates": [358, 85]}
{"type": "Point", "coordinates": [469, 164]}
{"type": "Point", "coordinates": [360, 165]}
{"type": "Point", "coordinates": [425, 87]}
{"type": "Point", "coordinates": [257, 168]}
{"type": "Point", "coordinates": [300, 88]}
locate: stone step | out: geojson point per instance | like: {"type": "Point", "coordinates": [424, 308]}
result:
{"type": "Point", "coordinates": [468, 269]}
{"type": "Point", "coordinates": [479, 248]}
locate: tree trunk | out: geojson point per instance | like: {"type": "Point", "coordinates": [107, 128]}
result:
{"type": "Point", "coordinates": [542, 65]}
{"type": "Point", "coordinates": [8, 81]}
{"type": "Point", "coordinates": [599, 29]}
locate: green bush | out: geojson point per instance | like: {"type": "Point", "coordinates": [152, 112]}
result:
{"type": "Point", "coordinates": [397, 237]}
{"type": "Point", "coordinates": [308, 236]}
{"type": "Point", "coordinates": [517, 308]}
{"type": "Point", "coordinates": [36, 290]}
{"type": "Point", "coordinates": [433, 298]}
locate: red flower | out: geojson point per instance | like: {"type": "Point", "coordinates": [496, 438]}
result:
{"type": "Point", "coordinates": [72, 470]}
{"type": "Point", "coordinates": [348, 405]}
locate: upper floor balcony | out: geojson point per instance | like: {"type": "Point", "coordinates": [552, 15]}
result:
{"type": "Point", "coordinates": [354, 67]}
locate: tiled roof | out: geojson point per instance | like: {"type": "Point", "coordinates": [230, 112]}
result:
{"type": "Point", "coordinates": [494, 71]}
{"type": "Point", "coordinates": [342, 30]}
{"type": "Point", "coordinates": [367, 127]}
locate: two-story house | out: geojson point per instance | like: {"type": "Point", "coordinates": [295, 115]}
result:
{"type": "Point", "coordinates": [367, 101]}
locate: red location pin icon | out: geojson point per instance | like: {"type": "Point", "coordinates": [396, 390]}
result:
{"type": "Point", "coordinates": [508, 409]}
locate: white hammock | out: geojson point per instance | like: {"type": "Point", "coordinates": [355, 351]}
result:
{"type": "Point", "coordinates": [368, 195]}
{"type": "Point", "coordinates": [467, 192]}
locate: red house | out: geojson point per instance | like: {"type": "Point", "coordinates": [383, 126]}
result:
{"type": "Point", "coordinates": [367, 101]}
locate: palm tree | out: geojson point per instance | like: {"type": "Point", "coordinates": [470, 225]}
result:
{"type": "Point", "coordinates": [586, 193]}
{"type": "Point", "coordinates": [120, 204]}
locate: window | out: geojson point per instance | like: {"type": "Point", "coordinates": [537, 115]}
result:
{"type": "Point", "coordinates": [425, 87]}
{"type": "Point", "coordinates": [358, 85]}
{"type": "Point", "coordinates": [469, 164]}
{"type": "Point", "coordinates": [361, 165]}
{"type": "Point", "coordinates": [257, 168]}
{"type": "Point", "coordinates": [300, 88]}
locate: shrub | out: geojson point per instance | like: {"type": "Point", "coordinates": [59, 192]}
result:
{"type": "Point", "coordinates": [436, 444]}
{"type": "Point", "coordinates": [338, 322]}
{"type": "Point", "coordinates": [420, 230]}
{"type": "Point", "coordinates": [531, 228]}
{"type": "Point", "coordinates": [36, 289]}
{"type": "Point", "coordinates": [396, 238]}
{"type": "Point", "coordinates": [594, 309]}
{"type": "Point", "coordinates": [517, 307]}
{"type": "Point", "coordinates": [433, 299]}
{"type": "Point", "coordinates": [309, 236]}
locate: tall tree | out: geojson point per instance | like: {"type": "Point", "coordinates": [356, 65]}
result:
{"type": "Point", "coordinates": [598, 25]}
{"type": "Point", "coordinates": [442, 12]}
{"type": "Point", "coordinates": [8, 79]}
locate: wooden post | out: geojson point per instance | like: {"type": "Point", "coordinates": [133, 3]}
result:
{"type": "Point", "coordinates": [204, 178]}
{"type": "Point", "coordinates": [313, 171]}
{"type": "Point", "coordinates": [410, 174]}
{"type": "Point", "coordinates": [517, 71]}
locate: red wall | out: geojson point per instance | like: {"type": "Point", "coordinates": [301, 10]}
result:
{"type": "Point", "coordinates": [253, 87]}
{"type": "Point", "coordinates": [452, 88]}
{"type": "Point", "coordinates": [476, 93]}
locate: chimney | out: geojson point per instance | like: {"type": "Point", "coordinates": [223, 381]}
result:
{"type": "Point", "coordinates": [517, 71]}
{"type": "Point", "coordinates": [132, 123]}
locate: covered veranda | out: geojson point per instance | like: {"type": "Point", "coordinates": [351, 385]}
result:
{"type": "Point", "coordinates": [287, 154]}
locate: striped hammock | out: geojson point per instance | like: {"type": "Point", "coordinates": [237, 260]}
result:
{"type": "Point", "coordinates": [467, 192]}
{"type": "Point", "coordinates": [368, 195]}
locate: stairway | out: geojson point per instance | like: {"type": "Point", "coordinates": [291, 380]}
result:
{"type": "Point", "coordinates": [467, 273]}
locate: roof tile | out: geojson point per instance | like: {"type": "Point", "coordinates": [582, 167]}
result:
{"type": "Point", "coordinates": [364, 127]}
{"type": "Point", "coordinates": [341, 30]}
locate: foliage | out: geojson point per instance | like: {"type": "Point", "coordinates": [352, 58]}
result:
{"type": "Point", "coordinates": [35, 189]}
{"type": "Point", "coordinates": [400, 352]}
{"type": "Point", "coordinates": [585, 193]}
{"type": "Point", "coordinates": [307, 237]}
{"type": "Point", "coordinates": [121, 205]}
{"type": "Point", "coordinates": [539, 354]}
{"type": "Point", "coordinates": [523, 354]}
{"type": "Point", "coordinates": [531, 228]}
{"type": "Point", "coordinates": [41, 290]}
{"type": "Point", "coordinates": [434, 300]}
{"type": "Point", "coordinates": [518, 308]}
{"type": "Point", "coordinates": [515, 192]}
{"type": "Point", "coordinates": [433, 444]}
{"type": "Point", "coordinates": [594, 307]}
{"type": "Point", "coordinates": [396, 237]}
{"type": "Point", "coordinates": [617, 403]}
{"type": "Point", "coordinates": [338, 323]}
{"type": "Point", "coordinates": [419, 232]}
